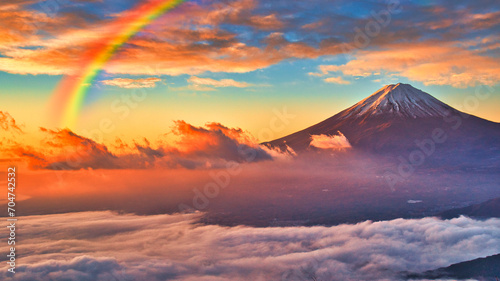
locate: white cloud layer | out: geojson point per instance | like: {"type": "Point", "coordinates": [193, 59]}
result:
{"type": "Point", "coordinates": [108, 246]}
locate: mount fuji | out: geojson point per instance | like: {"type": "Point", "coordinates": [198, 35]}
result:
{"type": "Point", "coordinates": [395, 118]}
{"type": "Point", "coordinates": [399, 100]}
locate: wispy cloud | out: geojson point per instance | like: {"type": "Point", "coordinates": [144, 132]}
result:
{"type": "Point", "coordinates": [199, 84]}
{"type": "Point", "coordinates": [337, 80]}
{"type": "Point", "coordinates": [428, 62]}
{"type": "Point", "coordinates": [128, 83]}
{"type": "Point", "coordinates": [217, 83]}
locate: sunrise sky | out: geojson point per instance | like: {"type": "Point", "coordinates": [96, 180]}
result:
{"type": "Point", "coordinates": [135, 131]}
{"type": "Point", "coordinates": [237, 62]}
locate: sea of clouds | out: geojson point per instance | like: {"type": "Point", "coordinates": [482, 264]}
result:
{"type": "Point", "coordinates": [110, 246]}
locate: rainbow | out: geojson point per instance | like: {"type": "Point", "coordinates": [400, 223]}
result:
{"type": "Point", "coordinates": [69, 97]}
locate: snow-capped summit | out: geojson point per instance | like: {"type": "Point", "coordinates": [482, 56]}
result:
{"type": "Point", "coordinates": [401, 100]}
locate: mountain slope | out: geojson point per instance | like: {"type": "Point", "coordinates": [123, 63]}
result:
{"type": "Point", "coordinates": [395, 117]}
{"type": "Point", "coordinates": [488, 209]}
{"type": "Point", "coordinates": [487, 268]}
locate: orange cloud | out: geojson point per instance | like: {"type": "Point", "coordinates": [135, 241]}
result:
{"type": "Point", "coordinates": [7, 123]}
{"type": "Point", "coordinates": [213, 145]}
{"type": "Point", "coordinates": [337, 80]}
{"type": "Point", "coordinates": [68, 150]}
{"type": "Point", "coordinates": [20, 26]}
{"type": "Point", "coordinates": [314, 25]}
{"type": "Point", "coordinates": [177, 48]}
{"type": "Point", "coordinates": [128, 83]}
{"type": "Point", "coordinates": [482, 21]}
{"type": "Point", "coordinates": [174, 59]}
{"type": "Point", "coordinates": [194, 87]}
{"type": "Point", "coordinates": [218, 83]}
{"type": "Point", "coordinates": [269, 22]}
{"type": "Point", "coordinates": [239, 13]}
{"type": "Point", "coordinates": [34, 159]}
{"type": "Point", "coordinates": [10, 136]}
{"type": "Point", "coordinates": [217, 141]}
{"type": "Point", "coordinates": [429, 62]}
{"type": "Point", "coordinates": [192, 40]}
